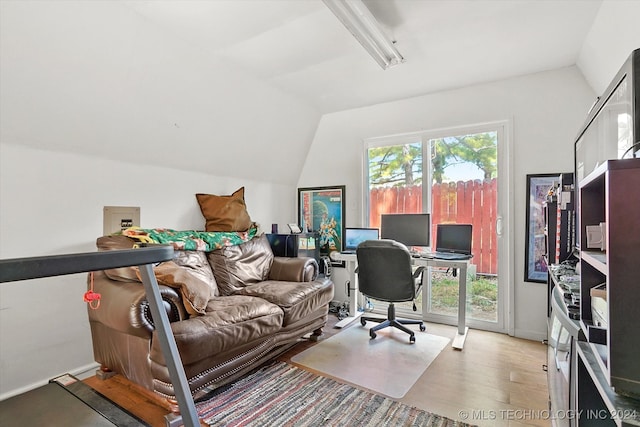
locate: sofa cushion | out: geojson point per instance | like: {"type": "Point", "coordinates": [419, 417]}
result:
{"type": "Point", "coordinates": [198, 264]}
{"type": "Point", "coordinates": [195, 292]}
{"type": "Point", "coordinates": [224, 213]}
{"type": "Point", "coordinates": [235, 267]}
{"type": "Point", "coordinates": [229, 322]}
{"type": "Point", "coordinates": [296, 299]}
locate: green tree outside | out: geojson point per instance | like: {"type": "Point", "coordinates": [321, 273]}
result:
{"type": "Point", "coordinates": [401, 165]}
{"type": "Point", "coordinates": [396, 165]}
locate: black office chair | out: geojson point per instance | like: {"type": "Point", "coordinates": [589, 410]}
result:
{"type": "Point", "coordinates": [385, 273]}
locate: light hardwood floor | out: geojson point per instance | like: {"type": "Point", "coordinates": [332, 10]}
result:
{"type": "Point", "coordinates": [496, 380]}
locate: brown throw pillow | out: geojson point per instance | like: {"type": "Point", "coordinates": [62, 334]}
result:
{"type": "Point", "coordinates": [224, 213]}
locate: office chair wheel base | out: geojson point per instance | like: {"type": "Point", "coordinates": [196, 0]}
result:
{"type": "Point", "coordinates": [412, 338]}
{"type": "Point", "coordinates": [363, 321]}
{"type": "Point", "coordinates": [423, 328]}
{"type": "Point", "coordinates": [372, 334]}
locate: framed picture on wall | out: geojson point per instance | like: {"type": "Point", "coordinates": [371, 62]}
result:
{"type": "Point", "coordinates": [321, 210]}
{"type": "Point", "coordinates": [538, 186]}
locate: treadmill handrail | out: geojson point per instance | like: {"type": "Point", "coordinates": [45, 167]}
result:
{"type": "Point", "coordinates": [57, 265]}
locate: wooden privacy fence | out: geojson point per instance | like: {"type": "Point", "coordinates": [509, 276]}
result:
{"type": "Point", "coordinates": [468, 202]}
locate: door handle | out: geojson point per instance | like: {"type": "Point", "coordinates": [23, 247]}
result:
{"type": "Point", "coordinates": [499, 225]}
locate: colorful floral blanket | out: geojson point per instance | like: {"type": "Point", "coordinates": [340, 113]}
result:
{"type": "Point", "coordinates": [191, 240]}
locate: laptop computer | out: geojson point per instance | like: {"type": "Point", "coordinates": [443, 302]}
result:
{"type": "Point", "coordinates": [453, 242]}
{"type": "Point", "coordinates": [354, 236]}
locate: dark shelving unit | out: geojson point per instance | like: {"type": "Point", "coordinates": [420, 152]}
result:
{"type": "Point", "coordinates": [609, 359]}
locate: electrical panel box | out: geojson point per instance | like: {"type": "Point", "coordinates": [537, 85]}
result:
{"type": "Point", "coordinates": [118, 218]}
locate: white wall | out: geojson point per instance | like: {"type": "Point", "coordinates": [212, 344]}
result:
{"type": "Point", "coordinates": [95, 77]}
{"type": "Point", "coordinates": [52, 204]}
{"type": "Point", "coordinates": [613, 35]}
{"type": "Point", "coordinates": [546, 110]}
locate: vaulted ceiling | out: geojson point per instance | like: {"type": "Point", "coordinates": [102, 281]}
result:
{"type": "Point", "coordinates": [302, 48]}
{"type": "Point", "coordinates": [226, 87]}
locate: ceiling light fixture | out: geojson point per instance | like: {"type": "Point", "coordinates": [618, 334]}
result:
{"type": "Point", "coordinates": [366, 29]}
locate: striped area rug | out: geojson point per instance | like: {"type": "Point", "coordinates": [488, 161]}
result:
{"type": "Point", "coordinates": [284, 395]}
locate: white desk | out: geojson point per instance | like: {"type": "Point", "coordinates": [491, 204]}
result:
{"type": "Point", "coordinates": [351, 263]}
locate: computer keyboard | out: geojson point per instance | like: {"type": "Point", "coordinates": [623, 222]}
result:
{"type": "Point", "coordinates": [450, 256]}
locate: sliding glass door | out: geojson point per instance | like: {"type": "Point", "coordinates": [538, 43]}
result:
{"type": "Point", "coordinates": [458, 183]}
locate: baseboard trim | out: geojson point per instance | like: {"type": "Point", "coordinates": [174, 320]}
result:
{"type": "Point", "coordinates": [530, 335]}
{"type": "Point", "coordinates": [81, 373]}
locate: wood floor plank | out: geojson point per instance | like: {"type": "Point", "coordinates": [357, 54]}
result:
{"type": "Point", "coordinates": [131, 397]}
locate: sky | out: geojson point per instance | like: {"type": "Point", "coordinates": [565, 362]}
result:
{"type": "Point", "coordinates": [463, 172]}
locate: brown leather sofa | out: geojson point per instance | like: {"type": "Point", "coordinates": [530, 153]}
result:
{"type": "Point", "coordinates": [230, 310]}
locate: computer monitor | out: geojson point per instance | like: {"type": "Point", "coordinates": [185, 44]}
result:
{"type": "Point", "coordinates": [354, 236]}
{"type": "Point", "coordinates": [408, 229]}
{"type": "Point", "coordinates": [454, 238]}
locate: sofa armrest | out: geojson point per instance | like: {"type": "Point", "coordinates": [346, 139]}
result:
{"type": "Point", "coordinates": [124, 306]}
{"type": "Point", "coordinates": [301, 269]}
